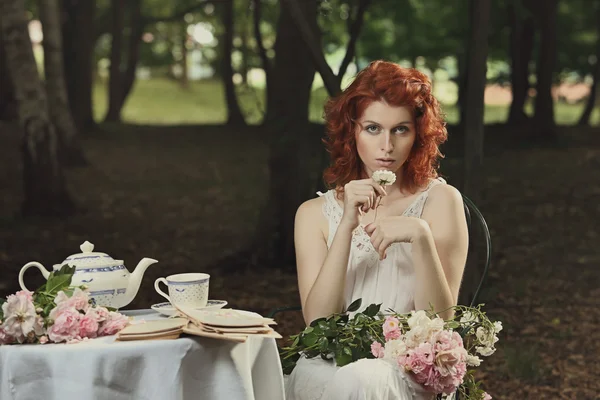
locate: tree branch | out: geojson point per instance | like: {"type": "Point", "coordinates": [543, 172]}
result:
{"type": "Point", "coordinates": [329, 79]}
{"type": "Point", "coordinates": [354, 31]}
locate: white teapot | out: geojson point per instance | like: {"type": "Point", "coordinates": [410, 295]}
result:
{"type": "Point", "coordinates": [110, 283]}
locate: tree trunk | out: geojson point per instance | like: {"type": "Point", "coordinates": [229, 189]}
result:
{"type": "Point", "coordinates": [136, 29]}
{"type": "Point", "coordinates": [235, 116]}
{"type": "Point", "coordinates": [8, 111]}
{"type": "Point", "coordinates": [292, 146]}
{"type": "Point", "coordinates": [584, 120]}
{"type": "Point", "coordinates": [544, 106]}
{"type": "Point", "coordinates": [266, 63]}
{"type": "Point", "coordinates": [521, 47]}
{"type": "Point", "coordinates": [44, 186]}
{"type": "Point", "coordinates": [116, 50]}
{"type": "Point", "coordinates": [71, 153]}
{"type": "Point", "coordinates": [473, 122]}
{"type": "Point", "coordinates": [79, 40]}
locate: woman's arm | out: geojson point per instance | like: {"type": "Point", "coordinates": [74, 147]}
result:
{"type": "Point", "coordinates": [440, 250]}
{"type": "Point", "coordinates": [321, 271]}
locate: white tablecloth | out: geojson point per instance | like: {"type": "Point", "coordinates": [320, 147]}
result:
{"type": "Point", "coordinates": [189, 368]}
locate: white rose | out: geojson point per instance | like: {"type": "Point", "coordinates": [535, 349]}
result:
{"type": "Point", "coordinates": [497, 326]}
{"type": "Point", "coordinates": [485, 351]}
{"type": "Point", "coordinates": [473, 361]}
{"type": "Point", "coordinates": [486, 337]}
{"type": "Point", "coordinates": [418, 318]}
{"type": "Point", "coordinates": [468, 317]}
{"type": "Point", "coordinates": [394, 349]}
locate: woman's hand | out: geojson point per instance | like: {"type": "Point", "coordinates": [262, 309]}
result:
{"type": "Point", "coordinates": [360, 196]}
{"type": "Point", "coordinates": [396, 229]}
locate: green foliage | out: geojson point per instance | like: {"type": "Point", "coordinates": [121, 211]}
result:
{"type": "Point", "coordinates": [59, 280]}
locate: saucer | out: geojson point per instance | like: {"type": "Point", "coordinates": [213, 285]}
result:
{"type": "Point", "coordinates": [168, 310]}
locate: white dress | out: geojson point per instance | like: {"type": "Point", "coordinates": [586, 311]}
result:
{"type": "Point", "coordinates": [390, 282]}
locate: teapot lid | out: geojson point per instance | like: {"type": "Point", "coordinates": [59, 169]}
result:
{"type": "Point", "coordinates": [89, 258]}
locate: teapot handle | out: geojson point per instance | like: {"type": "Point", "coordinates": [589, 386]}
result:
{"type": "Point", "coordinates": [36, 264]}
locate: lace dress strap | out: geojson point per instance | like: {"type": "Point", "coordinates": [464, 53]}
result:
{"type": "Point", "coordinates": [332, 211]}
{"type": "Point", "coordinates": [416, 208]}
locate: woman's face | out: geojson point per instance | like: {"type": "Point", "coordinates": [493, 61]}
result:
{"type": "Point", "coordinates": [385, 136]}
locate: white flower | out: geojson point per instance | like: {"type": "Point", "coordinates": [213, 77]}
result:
{"type": "Point", "coordinates": [19, 316]}
{"type": "Point", "coordinates": [394, 348]}
{"type": "Point", "coordinates": [486, 337]}
{"type": "Point", "coordinates": [468, 317]}
{"type": "Point", "coordinates": [497, 326]}
{"type": "Point", "coordinates": [473, 361]}
{"type": "Point", "coordinates": [384, 177]}
{"type": "Point", "coordinates": [485, 351]}
{"type": "Point", "coordinates": [418, 318]}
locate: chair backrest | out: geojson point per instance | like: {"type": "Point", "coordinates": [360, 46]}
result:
{"type": "Point", "coordinates": [472, 212]}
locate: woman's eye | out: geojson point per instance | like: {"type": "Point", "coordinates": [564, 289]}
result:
{"type": "Point", "coordinates": [372, 129]}
{"type": "Point", "coordinates": [401, 130]}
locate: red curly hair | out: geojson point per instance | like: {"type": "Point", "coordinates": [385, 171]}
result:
{"type": "Point", "coordinates": [397, 86]}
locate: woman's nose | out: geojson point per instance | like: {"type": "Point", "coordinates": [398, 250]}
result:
{"type": "Point", "coordinates": [387, 145]}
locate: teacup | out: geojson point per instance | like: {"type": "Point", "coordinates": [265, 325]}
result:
{"type": "Point", "coordinates": [186, 290]}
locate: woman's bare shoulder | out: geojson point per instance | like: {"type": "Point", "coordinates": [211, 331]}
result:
{"type": "Point", "coordinates": [311, 209]}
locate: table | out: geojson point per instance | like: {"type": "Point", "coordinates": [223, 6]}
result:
{"type": "Point", "coordinates": [189, 368]}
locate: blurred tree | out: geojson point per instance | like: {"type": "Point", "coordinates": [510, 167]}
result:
{"type": "Point", "coordinates": [8, 111]}
{"type": "Point", "coordinates": [473, 122]}
{"type": "Point", "coordinates": [545, 11]}
{"type": "Point", "coordinates": [122, 77]}
{"type": "Point", "coordinates": [292, 146]}
{"type": "Point", "coordinates": [522, 30]}
{"type": "Point", "coordinates": [70, 151]}
{"type": "Point", "coordinates": [45, 192]}
{"type": "Point", "coordinates": [584, 119]}
{"type": "Point", "coordinates": [78, 42]}
{"type": "Point", "coordinates": [234, 113]}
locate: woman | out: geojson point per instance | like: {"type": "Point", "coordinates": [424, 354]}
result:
{"type": "Point", "coordinates": [402, 245]}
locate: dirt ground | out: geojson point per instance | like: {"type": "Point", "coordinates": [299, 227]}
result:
{"type": "Point", "coordinates": [188, 196]}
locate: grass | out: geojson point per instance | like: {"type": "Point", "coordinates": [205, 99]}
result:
{"type": "Point", "coordinates": [162, 101]}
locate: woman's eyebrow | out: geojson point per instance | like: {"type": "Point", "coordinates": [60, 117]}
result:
{"type": "Point", "coordinates": [399, 123]}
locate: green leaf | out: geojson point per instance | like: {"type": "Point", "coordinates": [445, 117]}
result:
{"type": "Point", "coordinates": [309, 339]}
{"type": "Point", "coordinates": [372, 310]}
{"type": "Point", "coordinates": [57, 283]}
{"type": "Point", "coordinates": [323, 344]}
{"type": "Point", "coordinates": [354, 306]}
{"type": "Point", "coordinates": [347, 350]}
{"type": "Point", "coordinates": [308, 329]}
{"type": "Point", "coordinates": [316, 322]}
{"type": "Point", "coordinates": [323, 325]}
{"type": "Point", "coordinates": [342, 358]}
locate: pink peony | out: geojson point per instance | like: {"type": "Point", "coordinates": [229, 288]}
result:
{"type": "Point", "coordinates": [66, 325]}
{"type": "Point", "coordinates": [43, 339]}
{"type": "Point", "coordinates": [4, 338]}
{"type": "Point", "coordinates": [113, 324]}
{"type": "Point", "coordinates": [19, 314]}
{"type": "Point", "coordinates": [88, 326]}
{"type": "Point", "coordinates": [377, 349]}
{"type": "Point", "coordinates": [486, 396]}
{"type": "Point", "coordinates": [420, 361]}
{"type": "Point", "coordinates": [391, 329]}
{"type": "Point", "coordinates": [100, 314]}
{"type": "Point", "coordinates": [79, 300]}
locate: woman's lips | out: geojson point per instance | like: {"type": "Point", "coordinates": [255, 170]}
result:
{"type": "Point", "coordinates": [383, 162]}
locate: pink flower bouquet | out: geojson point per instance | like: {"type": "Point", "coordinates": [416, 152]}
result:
{"type": "Point", "coordinates": [432, 351]}
{"type": "Point", "coordinates": [56, 313]}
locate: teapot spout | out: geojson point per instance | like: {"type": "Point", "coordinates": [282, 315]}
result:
{"type": "Point", "coordinates": [135, 279]}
